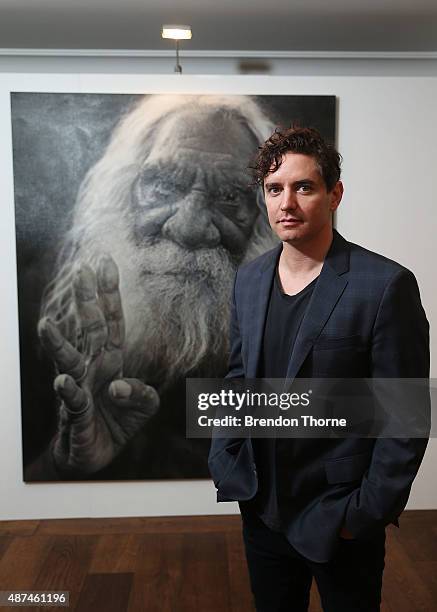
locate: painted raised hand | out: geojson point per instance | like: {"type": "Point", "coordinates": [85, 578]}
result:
{"type": "Point", "coordinates": [100, 410]}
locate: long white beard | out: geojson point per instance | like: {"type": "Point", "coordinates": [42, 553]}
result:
{"type": "Point", "coordinates": [176, 305]}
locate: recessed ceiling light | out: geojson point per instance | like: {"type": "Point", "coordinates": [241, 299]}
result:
{"type": "Point", "coordinates": [176, 32]}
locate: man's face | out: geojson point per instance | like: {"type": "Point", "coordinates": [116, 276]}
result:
{"type": "Point", "coordinates": [193, 186]}
{"type": "Point", "coordinates": [189, 220]}
{"type": "Point", "coordinates": [298, 204]}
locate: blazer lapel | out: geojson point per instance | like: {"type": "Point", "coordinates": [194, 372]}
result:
{"type": "Point", "coordinates": [327, 292]}
{"type": "Point", "coordinates": [259, 301]}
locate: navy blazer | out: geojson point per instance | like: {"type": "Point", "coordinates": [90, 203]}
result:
{"type": "Point", "coordinates": [364, 319]}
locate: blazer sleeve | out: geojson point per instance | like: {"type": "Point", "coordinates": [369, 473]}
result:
{"type": "Point", "coordinates": [235, 366]}
{"type": "Point", "coordinates": [218, 461]}
{"type": "Point", "coordinates": [400, 349]}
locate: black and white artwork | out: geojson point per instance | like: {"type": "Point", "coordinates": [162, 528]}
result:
{"type": "Point", "coordinates": [132, 215]}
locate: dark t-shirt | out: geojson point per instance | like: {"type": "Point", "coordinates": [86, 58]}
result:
{"type": "Point", "coordinates": [284, 317]}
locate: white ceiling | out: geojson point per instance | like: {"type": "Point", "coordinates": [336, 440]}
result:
{"type": "Point", "coordinates": [234, 25]}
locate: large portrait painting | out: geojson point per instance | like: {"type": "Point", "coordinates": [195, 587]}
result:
{"type": "Point", "coordinates": [132, 215]}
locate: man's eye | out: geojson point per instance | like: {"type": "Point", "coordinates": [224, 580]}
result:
{"type": "Point", "coordinates": [273, 190]}
{"type": "Point", "coordinates": [305, 188]}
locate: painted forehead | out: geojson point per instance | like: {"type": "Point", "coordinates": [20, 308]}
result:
{"type": "Point", "coordinates": [214, 132]}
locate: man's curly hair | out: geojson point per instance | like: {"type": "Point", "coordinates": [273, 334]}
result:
{"type": "Point", "coordinates": [303, 140]}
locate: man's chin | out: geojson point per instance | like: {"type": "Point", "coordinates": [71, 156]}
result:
{"type": "Point", "coordinates": [292, 237]}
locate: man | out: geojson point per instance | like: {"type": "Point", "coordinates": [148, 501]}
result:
{"type": "Point", "coordinates": [139, 298]}
{"type": "Point", "coordinates": [318, 306]}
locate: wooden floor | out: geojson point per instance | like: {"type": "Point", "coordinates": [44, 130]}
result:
{"type": "Point", "coordinates": [183, 564]}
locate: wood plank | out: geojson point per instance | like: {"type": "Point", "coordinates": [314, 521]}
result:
{"type": "Point", "coordinates": [22, 561]}
{"type": "Point", "coordinates": [157, 581]}
{"type": "Point", "coordinates": [115, 553]}
{"type": "Point", "coordinates": [181, 573]}
{"type": "Point", "coordinates": [66, 565]}
{"type": "Point", "coordinates": [418, 516]}
{"type": "Point", "coordinates": [403, 586]}
{"type": "Point", "coordinates": [240, 595]}
{"type": "Point", "coordinates": [4, 543]}
{"type": "Point", "coordinates": [172, 524]}
{"type": "Point", "coordinates": [419, 538]}
{"type": "Point", "coordinates": [21, 528]}
{"type": "Point", "coordinates": [205, 577]}
{"type": "Point", "coordinates": [108, 592]}
{"type": "Point", "coordinates": [428, 571]}
{"type": "Point", "coordinates": [385, 606]}
{"type": "Point", "coordinates": [315, 603]}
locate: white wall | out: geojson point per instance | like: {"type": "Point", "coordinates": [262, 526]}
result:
{"type": "Point", "coordinates": [321, 63]}
{"type": "Point", "coordinates": [387, 135]}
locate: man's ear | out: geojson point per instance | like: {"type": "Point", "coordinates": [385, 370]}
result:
{"type": "Point", "coordinates": [336, 195]}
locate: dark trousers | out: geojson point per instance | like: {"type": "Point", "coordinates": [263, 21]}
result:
{"type": "Point", "coordinates": [281, 577]}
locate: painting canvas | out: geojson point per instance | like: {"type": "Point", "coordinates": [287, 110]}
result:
{"type": "Point", "coordinates": [132, 214]}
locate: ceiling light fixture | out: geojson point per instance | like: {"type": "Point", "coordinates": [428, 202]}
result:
{"type": "Point", "coordinates": [176, 33]}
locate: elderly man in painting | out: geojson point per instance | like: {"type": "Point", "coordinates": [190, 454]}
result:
{"type": "Point", "coordinates": [140, 296]}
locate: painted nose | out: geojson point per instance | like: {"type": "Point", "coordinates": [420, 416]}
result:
{"type": "Point", "coordinates": [192, 225]}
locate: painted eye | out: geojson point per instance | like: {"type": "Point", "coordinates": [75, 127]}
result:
{"type": "Point", "coordinates": [161, 189]}
{"type": "Point", "coordinates": [157, 192]}
{"type": "Point", "coordinates": [228, 196]}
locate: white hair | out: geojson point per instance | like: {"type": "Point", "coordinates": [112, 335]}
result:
{"type": "Point", "coordinates": [102, 221]}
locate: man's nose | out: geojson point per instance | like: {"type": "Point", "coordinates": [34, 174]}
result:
{"type": "Point", "coordinates": [288, 200]}
{"type": "Point", "coordinates": [192, 225]}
